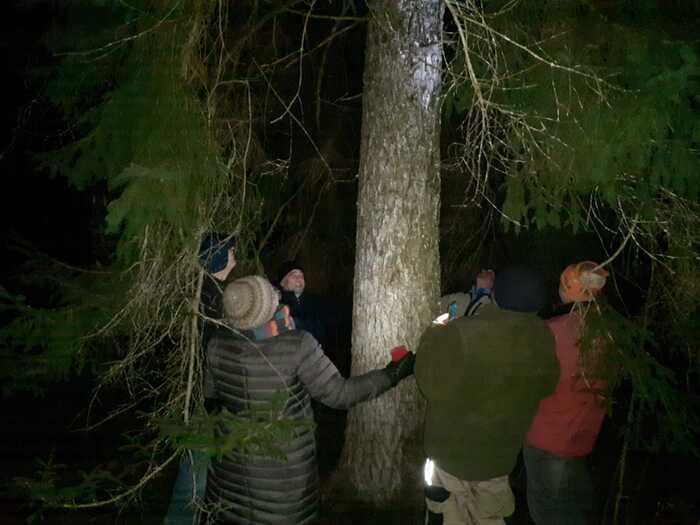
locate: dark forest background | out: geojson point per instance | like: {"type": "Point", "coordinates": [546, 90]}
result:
{"type": "Point", "coordinates": [128, 129]}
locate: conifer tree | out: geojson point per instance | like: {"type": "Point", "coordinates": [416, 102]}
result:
{"type": "Point", "coordinates": [397, 264]}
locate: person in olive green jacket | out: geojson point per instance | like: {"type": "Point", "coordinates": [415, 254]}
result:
{"type": "Point", "coordinates": [482, 378]}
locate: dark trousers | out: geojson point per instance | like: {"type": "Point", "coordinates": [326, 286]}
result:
{"type": "Point", "coordinates": [559, 490]}
{"type": "Point", "coordinates": [188, 489]}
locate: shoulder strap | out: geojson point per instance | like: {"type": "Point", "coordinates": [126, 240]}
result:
{"type": "Point", "coordinates": [476, 304]}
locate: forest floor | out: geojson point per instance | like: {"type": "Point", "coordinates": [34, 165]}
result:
{"type": "Point", "coordinates": [658, 489]}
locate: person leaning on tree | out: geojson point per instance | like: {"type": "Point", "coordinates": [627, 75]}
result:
{"type": "Point", "coordinates": [261, 357]}
{"type": "Point", "coordinates": [567, 423]}
{"type": "Point", "coordinates": [482, 378]}
{"type": "Point", "coordinates": [217, 257]}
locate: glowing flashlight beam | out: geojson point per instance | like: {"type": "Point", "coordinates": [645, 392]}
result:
{"type": "Point", "coordinates": [428, 471]}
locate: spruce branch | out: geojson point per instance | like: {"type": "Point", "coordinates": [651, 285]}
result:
{"type": "Point", "coordinates": [102, 51]}
{"type": "Point", "coordinates": [131, 492]}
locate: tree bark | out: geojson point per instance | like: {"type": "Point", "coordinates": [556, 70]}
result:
{"type": "Point", "coordinates": [397, 273]}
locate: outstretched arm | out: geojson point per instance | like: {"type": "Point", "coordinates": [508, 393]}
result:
{"type": "Point", "coordinates": [325, 384]}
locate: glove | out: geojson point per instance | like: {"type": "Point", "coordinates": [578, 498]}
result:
{"type": "Point", "coordinates": [401, 368]}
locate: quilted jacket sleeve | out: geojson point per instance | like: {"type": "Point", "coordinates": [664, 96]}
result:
{"type": "Point", "coordinates": [325, 384]}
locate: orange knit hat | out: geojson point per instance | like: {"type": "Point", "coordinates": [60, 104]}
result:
{"type": "Point", "coordinates": [581, 282]}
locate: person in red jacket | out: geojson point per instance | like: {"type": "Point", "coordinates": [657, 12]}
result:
{"type": "Point", "coordinates": [566, 424]}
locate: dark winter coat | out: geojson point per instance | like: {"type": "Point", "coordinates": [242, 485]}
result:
{"type": "Point", "coordinates": [311, 313]}
{"type": "Point", "coordinates": [326, 321]}
{"type": "Point", "coordinates": [244, 374]}
{"type": "Point", "coordinates": [483, 377]}
{"type": "Point", "coordinates": [211, 306]}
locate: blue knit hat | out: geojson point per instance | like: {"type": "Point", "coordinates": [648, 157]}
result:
{"type": "Point", "coordinates": [213, 251]}
{"type": "Point", "coordinates": [520, 289]}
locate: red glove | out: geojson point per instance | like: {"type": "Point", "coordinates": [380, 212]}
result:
{"type": "Point", "coordinates": [401, 365]}
{"type": "Point", "coordinates": [398, 353]}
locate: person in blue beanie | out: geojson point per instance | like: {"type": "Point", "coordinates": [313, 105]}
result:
{"type": "Point", "coordinates": [217, 256]}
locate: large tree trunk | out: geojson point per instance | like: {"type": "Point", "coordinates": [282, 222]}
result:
{"type": "Point", "coordinates": [397, 263]}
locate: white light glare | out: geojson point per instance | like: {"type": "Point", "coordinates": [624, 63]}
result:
{"type": "Point", "coordinates": [428, 471]}
{"type": "Point", "coordinates": [441, 319]}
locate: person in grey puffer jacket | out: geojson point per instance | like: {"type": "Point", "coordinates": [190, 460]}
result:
{"type": "Point", "coordinates": [264, 356]}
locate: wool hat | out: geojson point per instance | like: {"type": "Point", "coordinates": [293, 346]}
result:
{"type": "Point", "coordinates": [249, 302]}
{"type": "Point", "coordinates": [213, 251]}
{"type": "Point", "coordinates": [581, 282]}
{"type": "Point", "coordinates": [520, 289]}
{"type": "Point", "coordinates": [287, 267]}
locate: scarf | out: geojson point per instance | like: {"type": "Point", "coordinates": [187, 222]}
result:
{"type": "Point", "coordinates": [281, 322]}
